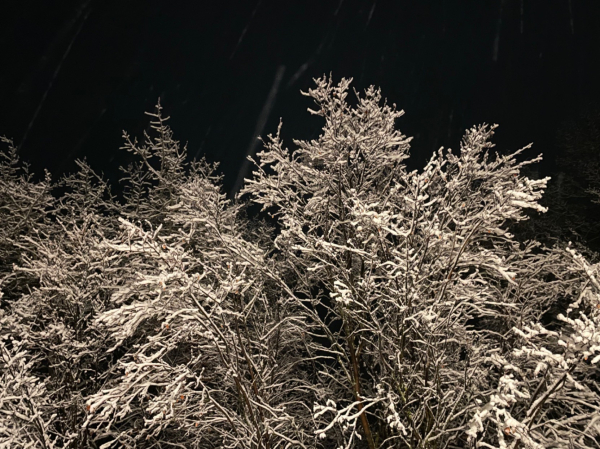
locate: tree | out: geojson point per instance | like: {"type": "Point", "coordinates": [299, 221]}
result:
{"type": "Point", "coordinates": [24, 205]}
{"type": "Point", "coordinates": [212, 351]}
{"type": "Point", "coordinates": [426, 295]}
{"type": "Point", "coordinates": [47, 330]}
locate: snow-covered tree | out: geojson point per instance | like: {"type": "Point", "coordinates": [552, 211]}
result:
{"type": "Point", "coordinates": [212, 352]}
{"type": "Point", "coordinates": [50, 324]}
{"type": "Point", "coordinates": [150, 182]}
{"type": "Point", "coordinates": [419, 288]}
{"type": "Point", "coordinates": [24, 205]}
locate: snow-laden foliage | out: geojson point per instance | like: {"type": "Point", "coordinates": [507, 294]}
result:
{"type": "Point", "coordinates": [24, 407]}
{"type": "Point", "coordinates": [24, 205]}
{"type": "Point", "coordinates": [212, 354]}
{"type": "Point", "coordinates": [386, 308]}
{"type": "Point", "coordinates": [548, 393]}
{"type": "Point", "coordinates": [150, 182]}
{"type": "Point", "coordinates": [420, 280]}
{"type": "Point", "coordinates": [50, 323]}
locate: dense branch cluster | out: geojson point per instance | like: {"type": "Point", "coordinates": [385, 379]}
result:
{"type": "Point", "coordinates": [377, 308]}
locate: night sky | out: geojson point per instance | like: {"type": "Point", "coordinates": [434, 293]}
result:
{"type": "Point", "coordinates": [76, 73]}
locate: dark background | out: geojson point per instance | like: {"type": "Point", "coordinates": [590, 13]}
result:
{"type": "Point", "coordinates": [75, 73]}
